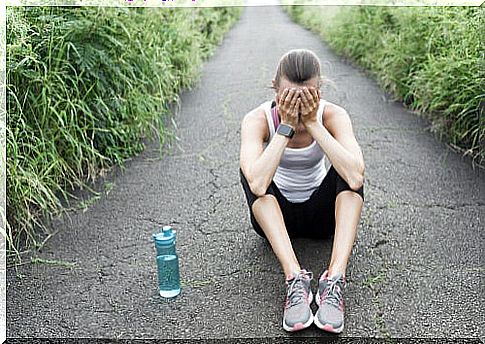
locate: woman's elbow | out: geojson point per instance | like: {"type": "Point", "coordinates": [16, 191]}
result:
{"type": "Point", "coordinates": [357, 180]}
{"type": "Point", "coordinates": [254, 183]}
{"type": "Point", "coordinates": [257, 189]}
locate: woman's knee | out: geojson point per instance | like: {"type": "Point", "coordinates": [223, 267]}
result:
{"type": "Point", "coordinates": [264, 199]}
{"type": "Point", "coordinates": [359, 192]}
{"type": "Point", "coordinates": [341, 186]}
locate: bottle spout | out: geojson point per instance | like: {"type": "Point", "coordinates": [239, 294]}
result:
{"type": "Point", "coordinates": [166, 235]}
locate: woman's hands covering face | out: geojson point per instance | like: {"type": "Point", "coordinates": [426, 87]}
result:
{"type": "Point", "coordinates": [299, 105]}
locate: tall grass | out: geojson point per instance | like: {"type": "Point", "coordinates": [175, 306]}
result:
{"type": "Point", "coordinates": [84, 87]}
{"type": "Point", "coordinates": [431, 58]}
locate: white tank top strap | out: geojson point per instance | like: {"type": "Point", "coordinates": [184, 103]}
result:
{"type": "Point", "coordinates": [269, 118]}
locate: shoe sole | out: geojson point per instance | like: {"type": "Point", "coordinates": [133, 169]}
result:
{"type": "Point", "coordinates": [326, 327]}
{"type": "Point", "coordinates": [301, 326]}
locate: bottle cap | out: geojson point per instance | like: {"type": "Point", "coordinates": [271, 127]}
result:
{"type": "Point", "coordinates": [165, 236]}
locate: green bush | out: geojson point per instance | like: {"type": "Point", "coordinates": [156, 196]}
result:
{"type": "Point", "coordinates": [428, 57]}
{"type": "Point", "coordinates": [85, 86]}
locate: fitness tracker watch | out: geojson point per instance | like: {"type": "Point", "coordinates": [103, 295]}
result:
{"type": "Point", "coordinates": [285, 130]}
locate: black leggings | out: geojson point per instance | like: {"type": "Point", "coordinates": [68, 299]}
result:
{"type": "Point", "coordinates": [314, 218]}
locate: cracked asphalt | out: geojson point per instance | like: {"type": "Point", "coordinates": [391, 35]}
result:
{"type": "Point", "coordinates": [415, 271]}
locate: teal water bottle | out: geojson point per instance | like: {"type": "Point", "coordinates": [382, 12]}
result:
{"type": "Point", "coordinates": [167, 262]}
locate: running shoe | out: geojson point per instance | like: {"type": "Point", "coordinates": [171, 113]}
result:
{"type": "Point", "coordinates": [298, 314]}
{"type": "Point", "coordinates": [330, 301]}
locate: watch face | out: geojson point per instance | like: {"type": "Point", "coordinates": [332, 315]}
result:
{"type": "Point", "coordinates": [285, 130]}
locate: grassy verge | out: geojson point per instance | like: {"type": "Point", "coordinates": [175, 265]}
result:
{"type": "Point", "coordinates": [85, 86]}
{"type": "Point", "coordinates": [431, 58]}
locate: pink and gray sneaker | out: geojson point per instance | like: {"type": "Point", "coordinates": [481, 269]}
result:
{"type": "Point", "coordinates": [330, 301]}
{"type": "Point", "coordinates": [298, 314]}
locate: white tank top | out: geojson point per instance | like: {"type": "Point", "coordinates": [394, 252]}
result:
{"type": "Point", "coordinates": [301, 170]}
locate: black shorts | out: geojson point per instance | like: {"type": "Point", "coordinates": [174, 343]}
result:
{"type": "Point", "coordinates": [314, 218]}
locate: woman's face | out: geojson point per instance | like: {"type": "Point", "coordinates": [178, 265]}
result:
{"type": "Point", "coordinates": [284, 83]}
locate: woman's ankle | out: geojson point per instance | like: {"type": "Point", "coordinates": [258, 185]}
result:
{"type": "Point", "coordinates": [335, 271]}
{"type": "Point", "coordinates": [291, 270]}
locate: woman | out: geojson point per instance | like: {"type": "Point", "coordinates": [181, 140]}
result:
{"type": "Point", "coordinates": [302, 172]}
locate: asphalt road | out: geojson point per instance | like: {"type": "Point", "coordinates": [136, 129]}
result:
{"type": "Point", "coordinates": [415, 270]}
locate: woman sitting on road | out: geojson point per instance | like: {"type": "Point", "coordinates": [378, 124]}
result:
{"type": "Point", "coordinates": [291, 192]}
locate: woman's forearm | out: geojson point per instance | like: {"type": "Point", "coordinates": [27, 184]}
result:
{"type": "Point", "coordinates": [344, 162]}
{"type": "Point", "coordinates": [264, 168]}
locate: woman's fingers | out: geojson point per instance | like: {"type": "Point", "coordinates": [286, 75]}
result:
{"type": "Point", "coordinates": [315, 95]}
{"type": "Point", "coordinates": [304, 100]}
{"type": "Point", "coordinates": [288, 99]}
{"type": "Point", "coordinates": [293, 101]}
{"type": "Point", "coordinates": [308, 98]}
{"type": "Point", "coordinates": [295, 107]}
{"type": "Point", "coordinates": [283, 97]}
{"type": "Point", "coordinates": [294, 95]}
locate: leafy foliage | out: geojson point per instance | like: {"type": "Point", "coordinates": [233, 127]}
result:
{"type": "Point", "coordinates": [428, 57]}
{"type": "Point", "coordinates": [85, 85]}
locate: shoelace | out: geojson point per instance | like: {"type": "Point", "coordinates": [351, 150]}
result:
{"type": "Point", "coordinates": [296, 292]}
{"type": "Point", "coordinates": [334, 293]}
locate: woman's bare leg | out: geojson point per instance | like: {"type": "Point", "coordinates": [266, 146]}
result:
{"type": "Point", "coordinates": [268, 214]}
{"type": "Point", "coordinates": [348, 207]}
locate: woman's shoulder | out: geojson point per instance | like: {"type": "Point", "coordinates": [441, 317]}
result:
{"type": "Point", "coordinates": [335, 118]}
{"type": "Point", "coordinates": [331, 110]}
{"type": "Point", "coordinates": [257, 112]}
{"type": "Point", "coordinates": [257, 116]}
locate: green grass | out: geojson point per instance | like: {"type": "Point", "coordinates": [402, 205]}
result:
{"type": "Point", "coordinates": [372, 281]}
{"type": "Point", "coordinates": [85, 87]}
{"type": "Point", "coordinates": [430, 58]}
{"type": "Point", "coordinates": [37, 260]}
